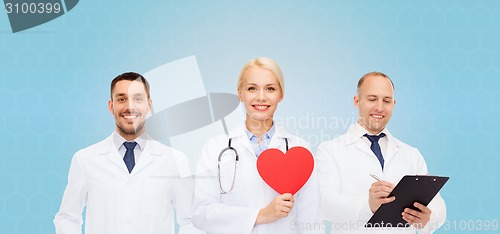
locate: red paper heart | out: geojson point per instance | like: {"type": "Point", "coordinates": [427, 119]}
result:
{"type": "Point", "coordinates": [285, 173]}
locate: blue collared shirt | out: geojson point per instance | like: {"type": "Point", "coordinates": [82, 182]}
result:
{"type": "Point", "coordinates": [264, 143]}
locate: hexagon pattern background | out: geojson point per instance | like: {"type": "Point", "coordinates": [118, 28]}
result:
{"type": "Point", "coordinates": [443, 56]}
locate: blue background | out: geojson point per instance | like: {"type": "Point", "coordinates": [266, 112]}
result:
{"type": "Point", "coordinates": [443, 57]}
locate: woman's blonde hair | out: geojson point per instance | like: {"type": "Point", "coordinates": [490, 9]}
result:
{"type": "Point", "coordinates": [265, 63]}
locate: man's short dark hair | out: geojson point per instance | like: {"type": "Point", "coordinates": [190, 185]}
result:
{"type": "Point", "coordinates": [132, 76]}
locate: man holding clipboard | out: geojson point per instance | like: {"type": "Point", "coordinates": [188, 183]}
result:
{"type": "Point", "coordinates": [349, 195]}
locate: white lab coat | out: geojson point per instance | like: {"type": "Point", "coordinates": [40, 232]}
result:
{"type": "Point", "coordinates": [345, 165]}
{"type": "Point", "coordinates": [236, 212]}
{"type": "Point", "coordinates": [121, 203]}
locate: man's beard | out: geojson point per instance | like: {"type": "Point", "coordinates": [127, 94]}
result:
{"type": "Point", "coordinates": [134, 130]}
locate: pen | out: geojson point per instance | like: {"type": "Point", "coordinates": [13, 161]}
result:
{"type": "Point", "coordinates": [375, 177]}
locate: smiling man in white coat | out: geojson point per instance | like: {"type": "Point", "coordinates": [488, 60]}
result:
{"type": "Point", "coordinates": [349, 195]}
{"type": "Point", "coordinates": [129, 183]}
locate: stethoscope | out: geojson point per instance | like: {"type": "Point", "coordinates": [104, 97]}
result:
{"type": "Point", "coordinates": [237, 158]}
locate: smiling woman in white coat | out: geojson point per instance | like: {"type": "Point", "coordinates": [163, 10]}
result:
{"type": "Point", "coordinates": [234, 198]}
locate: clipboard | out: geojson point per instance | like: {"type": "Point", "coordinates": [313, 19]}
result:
{"type": "Point", "coordinates": [410, 189]}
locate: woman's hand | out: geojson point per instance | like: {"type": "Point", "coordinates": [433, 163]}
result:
{"type": "Point", "coordinates": [279, 207]}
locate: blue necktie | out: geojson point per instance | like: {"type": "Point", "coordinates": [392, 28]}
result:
{"type": "Point", "coordinates": [375, 147]}
{"type": "Point", "coordinates": [129, 155]}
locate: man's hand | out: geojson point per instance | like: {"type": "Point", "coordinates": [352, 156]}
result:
{"type": "Point", "coordinates": [279, 207]}
{"type": "Point", "coordinates": [378, 194]}
{"type": "Point", "coordinates": [417, 218]}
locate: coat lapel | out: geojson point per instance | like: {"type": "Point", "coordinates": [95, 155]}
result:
{"type": "Point", "coordinates": [365, 148]}
{"type": "Point", "coordinates": [240, 141]}
{"type": "Point", "coordinates": [148, 155]}
{"type": "Point", "coordinates": [392, 144]}
{"type": "Point", "coordinates": [111, 152]}
{"type": "Point", "coordinates": [278, 140]}
{"type": "Point", "coordinates": [392, 148]}
{"type": "Point", "coordinates": [354, 138]}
